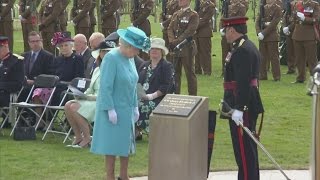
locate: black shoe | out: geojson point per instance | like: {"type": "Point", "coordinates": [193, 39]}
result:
{"type": "Point", "coordinates": [297, 82]}
{"type": "Point", "coordinates": [276, 80]}
{"type": "Point", "coordinates": [290, 72]}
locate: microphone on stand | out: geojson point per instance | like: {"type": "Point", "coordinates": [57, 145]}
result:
{"type": "Point", "coordinates": [182, 44]}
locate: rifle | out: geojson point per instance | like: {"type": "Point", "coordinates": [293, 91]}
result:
{"type": "Point", "coordinates": [197, 5]}
{"type": "Point", "coordinates": [225, 8]}
{"type": "Point", "coordinates": [253, 6]}
{"type": "Point", "coordinates": [261, 18]}
{"type": "Point", "coordinates": [164, 10]}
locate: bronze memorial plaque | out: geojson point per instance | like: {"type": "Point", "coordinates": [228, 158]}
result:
{"type": "Point", "coordinates": [177, 105]}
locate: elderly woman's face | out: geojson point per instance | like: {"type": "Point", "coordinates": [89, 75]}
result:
{"type": "Point", "coordinates": [155, 53]}
{"type": "Point", "coordinates": [65, 48]}
{"type": "Point", "coordinates": [132, 51]}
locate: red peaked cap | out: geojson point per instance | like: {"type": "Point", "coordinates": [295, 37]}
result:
{"type": "Point", "coordinates": [234, 21]}
{"type": "Point", "coordinates": [4, 40]}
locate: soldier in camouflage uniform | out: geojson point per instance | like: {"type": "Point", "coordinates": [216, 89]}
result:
{"type": "Point", "coordinates": [80, 17]}
{"type": "Point", "coordinates": [28, 17]}
{"type": "Point", "coordinates": [203, 37]}
{"type": "Point", "coordinates": [267, 31]}
{"type": "Point", "coordinates": [304, 34]}
{"type": "Point", "coordinates": [49, 22]}
{"type": "Point", "coordinates": [6, 20]}
{"type": "Point", "coordinates": [183, 25]}
{"type": "Point", "coordinates": [109, 16]}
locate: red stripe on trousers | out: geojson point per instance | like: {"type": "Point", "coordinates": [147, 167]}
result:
{"type": "Point", "coordinates": [243, 155]}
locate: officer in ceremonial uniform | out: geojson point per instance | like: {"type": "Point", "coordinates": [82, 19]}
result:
{"type": "Point", "coordinates": [6, 20]}
{"type": "Point", "coordinates": [268, 36]}
{"type": "Point", "coordinates": [304, 34]}
{"type": "Point", "coordinates": [28, 17]}
{"type": "Point", "coordinates": [63, 17]}
{"type": "Point", "coordinates": [235, 8]}
{"type": "Point", "coordinates": [93, 20]}
{"type": "Point", "coordinates": [80, 17]}
{"type": "Point", "coordinates": [203, 37]}
{"type": "Point", "coordinates": [109, 16]}
{"type": "Point", "coordinates": [241, 94]}
{"type": "Point", "coordinates": [287, 20]}
{"type": "Point", "coordinates": [49, 22]}
{"type": "Point", "coordinates": [183, 26]}
{"type": "Point", "coordinates": [11, 72]}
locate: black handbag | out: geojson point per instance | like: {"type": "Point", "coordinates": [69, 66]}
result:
{"type": "Point", "coordinates": [24, 133]}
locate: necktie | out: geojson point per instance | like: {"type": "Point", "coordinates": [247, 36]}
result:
{"type": "Point", "coordinates": [32, 59]}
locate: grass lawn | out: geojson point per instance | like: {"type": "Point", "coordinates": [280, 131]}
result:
{"type": "Point", "coordinates": [286, 133]}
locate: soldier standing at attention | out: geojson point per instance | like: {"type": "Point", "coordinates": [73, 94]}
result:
{"type": "Point", "coordinates": [109, 16]}
{"type": "Point", "coordinates": [203, 37]}
{"type": "Point", "coordinates": [171, 7]}
{"type": "Point", "coordinates": [49, 22]}
{"type": "Point", "coordinates": [93, 20]}
{"type": "Point", "coordinates": [28, 17]}
{"type": "Point", "coordinates": [6, 20]}
{"type": "Point", "coordinates": [80, 17]}
{"type": "Point", "coordinates": [63, 17]}
{"type": "Point", "coordinates": [183, 26]}
{"type": "Point", "coordinates": [305, 16]}
{"type": "Point", "coordinates": [241, 94]}
{"type": "Point", "coordinates": [267, 31]}
{"type": "Point", "coordinates": [287, 20]}
{"type": "Point", "coordinates": [140, 13]}
{"type": "Point", "coordinates": [235, 8]}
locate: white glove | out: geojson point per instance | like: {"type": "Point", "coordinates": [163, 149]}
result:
{"type": "Point", "coordinates": [136, 114]}
{"type": "Point", "coordinates": [112, 116]}
{"type": "Point", "coordinates": [161, 26]}
{"type": "Point", "coordinates": [21, 18]}
{"type": "Point", "coordinates": [222, 32]}
{"type": "Point", "coordinates": [152, 96]}
{"type": "Point", "coordinates": [237, 117]}
{"type": "Point", "coordinates": [260, 36]}
{"type": "Point", "coordinates": [301, 16]}
{"type": "Point", "coordinates": [286, 31]}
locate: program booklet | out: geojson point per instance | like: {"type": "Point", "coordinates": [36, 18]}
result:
{"type": "Point", "coordinates": [77, 93]}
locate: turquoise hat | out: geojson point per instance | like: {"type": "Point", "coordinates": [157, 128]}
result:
{"type": "Point", "coordinates": [135, 37]}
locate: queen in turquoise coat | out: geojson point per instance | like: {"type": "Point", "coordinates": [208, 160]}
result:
{"type": "Point", "coordinates": [117, 102]}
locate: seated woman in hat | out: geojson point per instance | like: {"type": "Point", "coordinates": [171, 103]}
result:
{"type": "Point", "coordinates": [117, 102]}
{"type": "Point", "coordinates": [67, 66]}
{"type": "Point", "coordinates": [80, 112]}
{"type": "Point", "coordinates": [157, 79]}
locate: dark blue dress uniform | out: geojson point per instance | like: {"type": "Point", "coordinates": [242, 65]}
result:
{"type": "Point", "coordinates": [241, 93]}
{"type": "Point", "coordinates": [11, 77]}
{"type": "Point", "coordinates": [67, 68]}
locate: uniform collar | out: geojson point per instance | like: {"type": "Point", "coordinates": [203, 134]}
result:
{"type": "Point", "coordinates": [239, 41]}
{"type": "Point", "coordinates": [185, 9]}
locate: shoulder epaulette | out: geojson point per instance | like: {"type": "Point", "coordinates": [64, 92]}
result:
{"type": "Point", "coordinates": [18, 56]}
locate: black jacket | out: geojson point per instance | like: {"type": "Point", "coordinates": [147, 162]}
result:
{"type": "Point", "coordinates": [42, 65]}
{"type": "Point", "coordinates": [162, 78]}
{"type": "Point", "coordinates": [242, 68]}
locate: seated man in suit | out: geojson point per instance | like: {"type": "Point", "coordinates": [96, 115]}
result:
{"type": "Point", "coordinates": [37, 61]}
{"type": "Point", "coordinates": [11, 73]}
{"type": "Point", "coordinates": [82, 49]}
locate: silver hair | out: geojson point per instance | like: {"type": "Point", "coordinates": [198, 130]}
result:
{"type": "Point", "coordinates": [124, 43]}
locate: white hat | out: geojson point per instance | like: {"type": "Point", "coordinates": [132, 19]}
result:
{"type": "Point", "coordinates": [160, 44]}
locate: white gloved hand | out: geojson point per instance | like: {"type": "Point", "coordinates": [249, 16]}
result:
{"type": "Point", "coordinates": [260, 36]}
{"type": "Point", "coordinates": [222, 32]}
{"type": "Point", "coordinates": [136, 114]}
{"type": "Point", "coordinates": [161, 26]}
{"type": "Point", "coordinates": [152, 96]}
{"type": "Point", "coordinates": [301, 16]}
{"type": "Point", "coordinates": [237, 117]}
{"type": "Point", "coordinates": [112, 116]}
{"type": "Point", "coordinates": [286, 31]}
{"type": "Point", "coordinates": [21, 18]}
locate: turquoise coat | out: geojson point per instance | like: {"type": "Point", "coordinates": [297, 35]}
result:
{"type": "Point", "coordinates": [118, 80]}
{"type": "Point", "coordinates": [88, 108]}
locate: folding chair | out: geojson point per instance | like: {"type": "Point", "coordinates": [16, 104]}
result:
{"type": "Point", "coordinates": [41, 81]}
{"type": "Point", "coordinates": [81, 84]}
